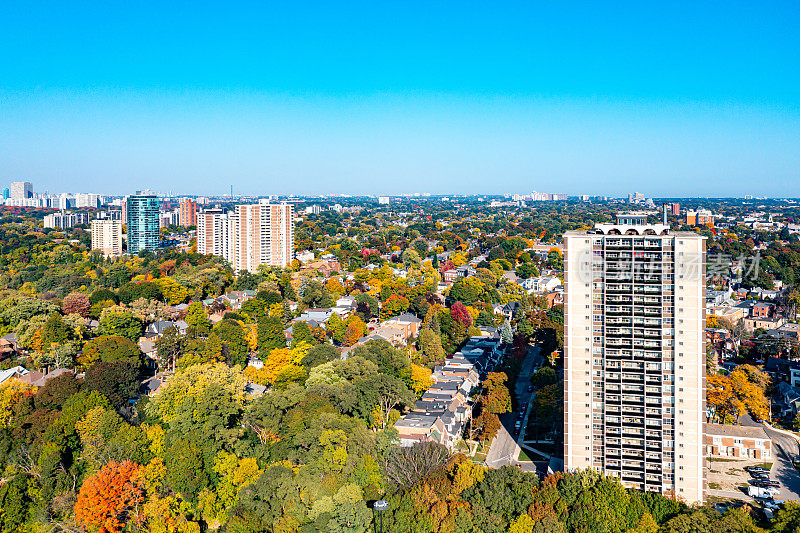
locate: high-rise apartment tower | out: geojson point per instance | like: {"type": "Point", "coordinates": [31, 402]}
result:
{"type": "Point", "coordinates": [107, 237]}
{"type": "Point", "coordinates": [634, 355]}
{"type": "Point", "coordinates": [188, 213]}
{"type": "Point", "coordinates": [252, 235]}
{"type": "Point", "coordinates": [142, 211]}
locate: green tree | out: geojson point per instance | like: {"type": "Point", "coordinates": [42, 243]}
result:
{"type": "Point", "coordinates": [527, 270]}
{"type": "Point", "coordinates": [270, 334]}
{"type": "Point", "coordinates": [466, 290]}
{"type": "Point", "coordinates": [185, 470]}
{"type": "Point", "coordinates": [411, 258]}
{"type": "Point", "coordinates": [301, 332]}
{"type": "Point", "coordinates": [319, 354]}
{"type": "Point", "coordinates": [170, 346]}
{"type": "Point", "coordinates": [15, 502]}
{"type": "Point", "coordinates": [197, 318]}
{"type": "Point", "coordinates": [55, 331]}
{"type": "Point", "coordinates": [430, 345]}
{"type": "Point", "coordinates": [121, 323]}
{"type": "Point", "coordinates": [234, 341]}
{"type": "Point", "coordinates": [110, 348]}
{"type": "Point", "coordinates": [118, 381]}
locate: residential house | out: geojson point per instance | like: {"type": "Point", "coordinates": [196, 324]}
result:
{"type": "Point", "coordinates": [449, 276]}
{"type": "Point", "coordinates": [540, 284]}
{"type": "Point", "coordinates": [762, 310]}
{"type": "Point", "coordinates": [738, 442]}
{"type": "Point", "coordinates": [786, 331]}
{"type": "Point", "coordinates": [754, 323]}
{"type": "Point", "coordinates": [8, 346]}
{"type": "Point", "coordinates": [235, 299]}
{"type": "Point", "coordinates": [408, 323]}
{"type": "Point", "coordinates": [317, 315]}
{"type": "Point", "coordinates": [13, 372]}
{"type": "Point", "coordinates": [389, 333]}
{"type": "Point", "coordinates": [40, 379]}
{"type": "Point", "coordinates": [728, 313]}
{"type": "Point", "coordinates": [156, 329]}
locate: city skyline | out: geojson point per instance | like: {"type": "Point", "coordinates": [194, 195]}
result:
{"type": "Point", "coordinates": [366, 99]}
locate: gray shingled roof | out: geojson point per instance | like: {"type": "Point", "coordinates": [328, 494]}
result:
{"type": "Point", "coordinates": [746, 432]}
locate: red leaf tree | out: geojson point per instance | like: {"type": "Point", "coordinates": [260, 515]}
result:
{"type": "Point", "coordinates": [107, 498]}
{"type": "Point", "coordinates": [76, 302]}
{"type": "Point", "coordinates": [460, 314]}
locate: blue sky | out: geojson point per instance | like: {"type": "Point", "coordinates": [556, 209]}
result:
{"type": "Point", "coordinates": [671, 98]}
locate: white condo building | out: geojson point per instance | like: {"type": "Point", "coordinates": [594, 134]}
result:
{"type": "Point", "coordinates": [107, 237]}
{"type": "Point", "coordinates": [20, 190]}
{"type": "Point", "coordinates": [634, 355]}
{"type": "Point", "coordinates": [214, 233]}
{"type": "Point", "coordinates": [252, 235]}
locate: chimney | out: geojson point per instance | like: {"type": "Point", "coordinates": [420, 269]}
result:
{"type": "Point", "coordinates": [665, 214]}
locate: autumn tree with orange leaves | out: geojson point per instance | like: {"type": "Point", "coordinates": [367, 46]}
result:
{"type": "Point", "coordinates": [108, 498]}
{"type": "Point", "coordinates": [740, 392]}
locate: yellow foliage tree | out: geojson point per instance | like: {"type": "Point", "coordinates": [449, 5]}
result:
{"type": "Point", "coordinates": [173, 292]}
{"type": "Point", "coordinates": [193, 382]}
{"type": "Point", "coordinates": [421, 378]}
{"type": "Point", "coordinates": [736, 394]}
{"type": "Point", "coordinates": [284, 364]}
{"type": "Point", "coordinates": [522, 524]}
{"type": "Point", "coordinates": [234, 473]}
{"type": "Point", "coordinates": [11, 392]}
{"type": "Point", "coordinates": [467, 474]}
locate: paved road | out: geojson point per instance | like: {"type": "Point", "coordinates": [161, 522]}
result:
{"type": "Point", "coordinates": [505, 448]}
{"type": "Point", "coordinates": [785, 448]}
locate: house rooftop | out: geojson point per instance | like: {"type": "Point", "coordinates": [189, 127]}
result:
{"type": "Point", "coordinates": [747, 432]}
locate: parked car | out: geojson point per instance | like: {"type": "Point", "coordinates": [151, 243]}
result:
{"type": "Point", "coordinates": [530, 388]}
{"type": "Point", "coordinates": [765, 483]}
{"type": "Point", "coordinates": [756, 469]}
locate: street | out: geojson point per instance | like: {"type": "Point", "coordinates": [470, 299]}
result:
{"type": "Point", "coordinates": [505, 448]}
{"type": "Point", "coordinates": [785, 448]}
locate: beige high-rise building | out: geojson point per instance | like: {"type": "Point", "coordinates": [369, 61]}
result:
{"type": "Point", "coordinates": [107, 237]}
{"type": "Point", "coordinates": [634, 355]}
{"type": "Point", "coordinates": [253, 235]}
{"type": "Point", "coordinates": [263, 234]}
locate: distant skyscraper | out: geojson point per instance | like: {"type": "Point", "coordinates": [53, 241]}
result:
{"type": "Point", "coordinates": [142, 210]}
{"type": "Point", "coordinates": [634, 355]}
{"type": "Point", "coordinates": [107, 237]}
{"type": "Point", "coordinates": [6, 193]}
{"type": "Point", "coordinates": [676, 209]}
{"type": "Point", "coordinates": [21, 189]}
{"type": "Point", "coordinates": [383, 200]}
{"type": "Point", "coordinates": [188, 216]}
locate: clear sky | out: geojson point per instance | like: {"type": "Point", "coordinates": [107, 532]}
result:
{"type": "Point", "coordinates": [667, 98]}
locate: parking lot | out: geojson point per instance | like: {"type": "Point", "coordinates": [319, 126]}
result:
{"type": "Point", "coordinates": [728, 475]}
